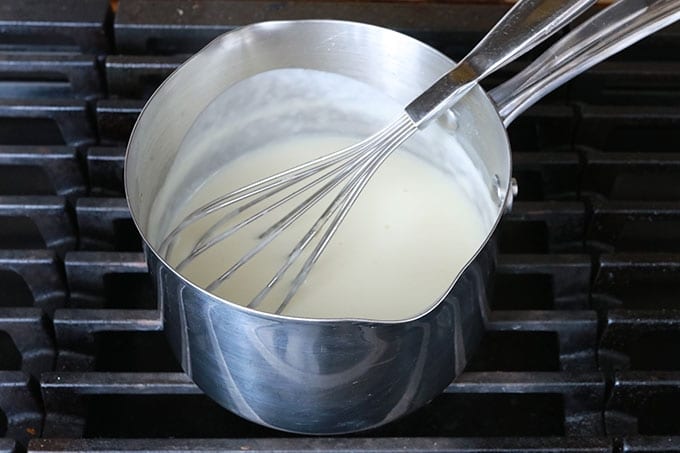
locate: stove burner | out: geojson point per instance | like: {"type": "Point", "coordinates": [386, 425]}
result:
{"type": "Point", "coordinates": [582, 348]}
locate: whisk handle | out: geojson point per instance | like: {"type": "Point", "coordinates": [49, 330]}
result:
{"type": "Point", "coordinates": [524, 26]}
{"type": "Point", "coordinates": [610, 31]}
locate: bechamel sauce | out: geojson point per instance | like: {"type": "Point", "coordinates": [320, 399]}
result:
{"type": "Point", "coordinates": [411, 231]}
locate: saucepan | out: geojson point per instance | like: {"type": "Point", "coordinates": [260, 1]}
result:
{"type": "Point", "coordinates": [330, 376]}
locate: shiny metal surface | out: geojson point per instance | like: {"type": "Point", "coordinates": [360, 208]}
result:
{"type": "Point", "coordinates": [612, 30]}
{"type": "Point", "coordinates": [322, 377]}
{"type": "Point", "coordinates": [306, 375]}
{"type": "Point", "coordinates": [527, 24]}
{"type": "Point", "coordinates": [301, 375]}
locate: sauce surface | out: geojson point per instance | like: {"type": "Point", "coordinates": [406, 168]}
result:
{"type": "Point", "coordinates": [410, 232]}
{"type": "Point", "coordinates": [415, 226]}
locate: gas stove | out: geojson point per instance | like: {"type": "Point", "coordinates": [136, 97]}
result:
{"type": "Point", "coordinates": [582, 350]}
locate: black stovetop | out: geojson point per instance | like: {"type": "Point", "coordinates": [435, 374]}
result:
{"type": "Point", "coordinates": [583, 349]}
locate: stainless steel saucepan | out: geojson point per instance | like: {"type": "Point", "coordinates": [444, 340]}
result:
{"type": "Point", "coordinates": [341, 375]}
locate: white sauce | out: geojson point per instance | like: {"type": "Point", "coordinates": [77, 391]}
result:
{"type": "Point", "coordinates": [411, 232]}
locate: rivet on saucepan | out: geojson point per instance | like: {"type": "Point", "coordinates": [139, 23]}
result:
{"type": "Point", "coordinates": [514, 190]}
{"type": "Point", "coordinates": [496, 190]}
{"type": "Point", "coordinates": [449, 121]}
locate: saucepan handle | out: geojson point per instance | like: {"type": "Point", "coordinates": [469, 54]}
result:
{"type": "Point", "coordinates": [527, 24]}
{"type": "Point", "coordinates": [610, 31]}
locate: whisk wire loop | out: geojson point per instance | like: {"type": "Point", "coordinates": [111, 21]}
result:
{"type": "Point", "coordinates": [356, 167]}
{"type": "Point", "coordinates": [276, 181]}
{"type": "Point", "coordinates": [393, 138]}
{"type": "Point", "coordinates": [275, 230]}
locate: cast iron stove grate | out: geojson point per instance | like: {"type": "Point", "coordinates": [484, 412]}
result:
{"type": "Point", "coordinates": [582, 350]}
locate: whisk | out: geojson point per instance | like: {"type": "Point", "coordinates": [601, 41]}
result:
{"type": "Point", "coordinates": [526, 24]}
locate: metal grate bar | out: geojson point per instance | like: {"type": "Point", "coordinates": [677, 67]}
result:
{"type": "Point", "coordinates": [546, 175]}
{"type": "Point", "coordinates": [582, 393]}
{"type": "Point", "coordinates": [629, 128]}
{"type": "Point", "coordinates": [86, 273]}
{"type": "Point", "coordinates": [635, 226]}
{"type": "Point", "coordinates": [137, 76]}
{"type": "Point", "coordinates": [20, 405]}
{"type": "Point", "coordinates": [68, 116]}
{"type": "Point", "coordinates": [182, 26]}
{"type": "Point", "coordinates": [49, 216]}
{"type": "Point", "coordinates": [7, 446]}
{"type": "Point", "coordinates": [651, 444]}
{"type": "Point", "coordinates": [105, 224]}
{"type": "Point", "coordinates": [639, 401]}
{"type": "Point", "coordinates": [67, 320]}
{"type": "Point", "coordinates": [640, 339]}
{"type": "Point", "coordinates": [115, 119]}
{"type": "Point", "coordinates": [41, 271]}
{"type": "Point", "coordinates": [56, 26]}
{"type": "Point", "coordinates": [57, 164]}
{"type": "Point", "coordinates": [543, 227]}
{"type": "Point", "coordinates": [494, 382]}
{"type": "Point", "coordinates": [49, 75]}
{"type": "Point", "coordinates": [637, 280]}
{"type": "Point", "coordinates": [569, 279]}
{"type": "Point", "coordinates": [576, 332]}
{"type": "Point", "coordinates": [30, 334]}
{"type": "Point", "coordinates": [118, 383]}
{"type": "Point", "coordinates": [75, 330]}
{"type": "Point", "coordinates": [632, 176]}
{"type": "Point", "coordinates": [624, 83]}
{"type": "Point", "coordinates": [335, 445]}
{"type": "Point", "coordinates": [544, 128]}
{"type": "Point", "coordinates": [105, 170]}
